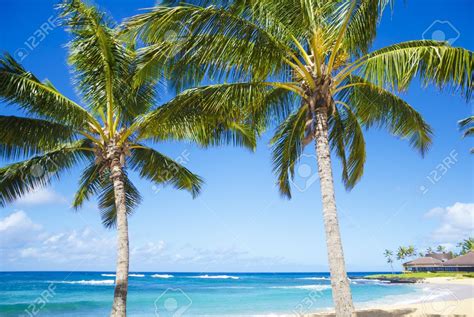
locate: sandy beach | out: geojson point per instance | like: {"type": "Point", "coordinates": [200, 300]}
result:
{"type": "Point", "coordinates": [456, 299]}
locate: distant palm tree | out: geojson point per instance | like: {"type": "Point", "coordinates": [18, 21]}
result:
{"type": "Point", "coordinates": [411, 251]}
{"type": "Point", "coordinates": [107, 135]}
{"type": "Point", "coordinates": [402, 253]}
{"type": "Point", "coordinates": [389, 256]}
{"type": "Point", "coordinates": [441, 249]}
{"type": "Point", "coordinates": [467, 125]}
{"type": "Point", "coordinates": [467, 245]}
{"type": "Point", "coordinates": [429, 250]}
{"type": "Point", "coordinates": [306, 66]}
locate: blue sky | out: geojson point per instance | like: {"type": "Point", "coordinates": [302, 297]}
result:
{"type": "Point", "coordinates": [240, 223]}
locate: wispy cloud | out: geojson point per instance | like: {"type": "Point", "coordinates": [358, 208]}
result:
{"type": "Point", "coordinates": [456, 222]}
{"type": "Point", "coordinates": [25, 244]}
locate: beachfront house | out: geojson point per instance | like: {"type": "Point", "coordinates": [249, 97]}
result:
{"type": "Point", "coordinates": [435, 262]}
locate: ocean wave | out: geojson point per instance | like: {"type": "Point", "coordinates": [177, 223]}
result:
{"type": "Point", "coordinates": [108, 275]}
{"type": "Point", "coordinates": [368, 281]}
{"type": "Point", "coordinates": [88, 282]}
{"type": "Point", "coordinates": [314, 278]}
{"type": "Point", "coordinates": [310, 287]}
{"type": "Point", "coordinates": [216, 277]}
{"type": "Point", "coordinates": [162, 275]}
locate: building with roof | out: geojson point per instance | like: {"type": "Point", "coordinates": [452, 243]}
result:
{"type": "Point", "coordinates": [435, 262]}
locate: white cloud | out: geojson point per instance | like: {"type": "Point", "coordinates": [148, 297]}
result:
{"type": "Point", "coordinates": [40, 197]}
{"type": "Point", "coordinates": [25, 244]}
{"type": "Point", "coordinates": [456, 222]}
{"type": "Point", "coordinates": [17, 221]}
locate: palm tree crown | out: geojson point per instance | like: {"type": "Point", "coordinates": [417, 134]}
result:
{"type": "Point", "coordinates": [305, 66]}
{"type": "Point", "coordinates": [109, 134]}
{"type": "Point", "coordinates": [283, 53]}
{"type": "Point", "coordinates": [118, 117]}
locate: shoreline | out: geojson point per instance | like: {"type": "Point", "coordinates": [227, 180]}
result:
{"type": "Point", "coordinates": [443, 296]}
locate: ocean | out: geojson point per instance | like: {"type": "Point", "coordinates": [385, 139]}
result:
{"type": "Point", "coordinates": [185, 294]}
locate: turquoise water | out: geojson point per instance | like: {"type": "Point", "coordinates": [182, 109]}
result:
{"type": "Point", "coordinates": [177, 294]}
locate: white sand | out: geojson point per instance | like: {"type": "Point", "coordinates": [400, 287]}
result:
{"type": "Point", "coordinates": [457, 300]}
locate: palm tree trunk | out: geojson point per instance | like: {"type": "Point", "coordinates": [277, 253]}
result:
{"type": "Point", "coordinates": [341, 291]}
{"type": "Point", "coordinates": [119, 307]}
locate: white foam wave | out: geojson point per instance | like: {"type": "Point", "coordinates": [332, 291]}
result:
{"type": "Point", "coordinates": [136, 275]}
{"type": "Point", "coordinates": [108, 275]}
{"type": "Point", "coordinates": [89, 282]}
{"type": "Point", "coordinates": [314, 278]}
{"type": "Point", "coordinates": [310, 287]}
{"type": "Point", "coordinates": [216, 277]}
{"type": "Point", "coordinates": [162, 276]}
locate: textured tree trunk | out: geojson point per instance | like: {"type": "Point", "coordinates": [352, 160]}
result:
{"type": "Point", "coordinates": [119, 307]}
{"type": "Point", "coordinates": [341, 291]}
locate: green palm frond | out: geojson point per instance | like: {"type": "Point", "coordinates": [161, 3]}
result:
{"type": "Point", "coordinates": [346, 136]}
{"type": "Point", "coordinates": [161, 169]}
{"type": "Point", "coordinates": [99, 59]}
{"type": "Point", "coordinates": [90, 184]}
{"type": "Point", "coordinates": [20, 87]}
{"type": "Point", "coordinates": [434, 62]}
{"type": "Point", "coordinates": [287, 148]}
{"type": "Point", "coordinates": [210, 36]}
{"type": "Point", "coordinates": [108, 210]}
{"type": "Point", "coordinates": [375, 106]}
{"type": "Point", "coordinates": [467, 125]}
{"type": "Point", "coordinates": [23, 137]}
{"type": "Point", "coordinates": [209, 115]}
{"type": "Point", "coordinates": [17, 179]}
{"type": "Point", "coordinates": [362, 27]}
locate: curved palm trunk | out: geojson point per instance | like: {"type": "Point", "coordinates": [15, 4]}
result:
{"type": "Point", "coordinates": [119, 307]}
{"type": "Point", "coordinates": [341, 291]}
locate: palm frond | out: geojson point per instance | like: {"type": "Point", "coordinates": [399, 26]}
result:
{"type": "Point", "coordinates": [99, 59]}
{"type": "Point", "coordinates": [287, 148]}
{"type": "Point", "coordinates": [18, 86]}
{"type": "Point", "coordinates": [211, 37]}
{"type": "Point", "coordinates": [18, 179]}
{"type": "Point", "coordinates": [375, 106]}
{"type": "Point", "coordinates": [346, 136]}
{"type": "Point", "coordinates": [209, 115]}
{"type": "Point", "coordinates": [467, 125]}
{"type": "Point", "coordinates": [362, 26]}
{"type": "Point", "coordinates": [436, 63]}
{"type": "Point", "coordinates": [108, 210]}
{"type": "Point", "coordinates": [23, 137]}
{"type": "Point", "coordinates": [161, 169]}
{"type": "Point", "coordinates": [90, 184]}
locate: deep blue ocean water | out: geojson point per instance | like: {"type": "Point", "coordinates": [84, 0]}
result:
{"type": "Point", "coordinates": [188, 294]}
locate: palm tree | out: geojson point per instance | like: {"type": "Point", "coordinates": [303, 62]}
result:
{"type": "Point", "coordinates": [306, 66]}
{"type": "Point", "coordinates": [410, 251]}
{"type": "Point", "coordinates": [402, 253]}
{"type": "Point", "coordinates": [108, 134]}
{"type": "Point", "coordinates": [388, 254]}
{"type": "Point", "coordinates": [429, 250]}
{"type": "Point", "coordinates": [467, 125]}
{"type": "Point", "coordinates": [441, 249]}
{"type": "Point", "coordinates": [467, 245]}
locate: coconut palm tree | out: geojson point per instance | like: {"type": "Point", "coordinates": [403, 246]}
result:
{"type": "Point", "coordinates": [466, 245]}
{"type": "Point", "coordinates": [307, 67]}
{"type": "Point", "coordinates": [388, 254]}
{"type": "Point", "coordinates": [109, 134]}
{"type": "Point", "coordinates": [467, 125]}
{"type": "Point", "coordinates": [441, 249]}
